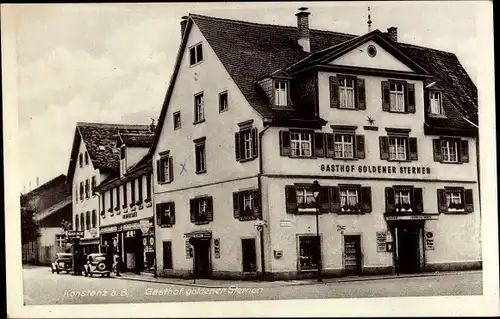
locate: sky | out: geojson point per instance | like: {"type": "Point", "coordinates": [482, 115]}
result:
{"type": "Point", "coordinates": [112, 62]}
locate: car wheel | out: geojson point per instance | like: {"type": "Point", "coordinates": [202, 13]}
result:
{"type": "Point", "coordinates": [90, 274]}
{"type": "Point", "coordinates": [108, 275]}
{"type": "Point", "coordinates": [57, 271]}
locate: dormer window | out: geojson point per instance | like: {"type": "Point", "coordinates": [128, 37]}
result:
{"type": "Point", "coordinates": [436, 103]}
{"type": "Point", "coordinates": [281, 93]}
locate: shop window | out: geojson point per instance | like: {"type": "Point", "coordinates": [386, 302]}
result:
{"type": "Point", "coordinates": [245, 142]}
{"type": "Point", "coordinates": [165, 214]}
{"type": "Point", "coordinates": [246, 205]}
{"type": "Point", "coordinates": [451, 150]}
{"type": "Point", "coordinates": [167, 255]}
{"type": "Point", "coordinates": [309, 252]}
{"type": "Point", "coordinates": [404, 199]}
{"type": "Point", "coordinates": [249, 256]}
{"type": "Point", "coordinates": [200, 155]}
{"type": "Point", "coordinates": [398, 97]}
{"type": "Point", "coordinates": [201, 210]}
{"type": "Point", "coordinates": [347, 92]}
{"type": "Point", "coordinates": [455, 200]}
{"type": "Point", "coordinates": [196, 54]}
{"type": "Point", "coordinates": [164, 168]}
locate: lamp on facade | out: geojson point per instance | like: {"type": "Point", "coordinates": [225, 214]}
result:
{"type": "Point", "coordinates": [316, 189]}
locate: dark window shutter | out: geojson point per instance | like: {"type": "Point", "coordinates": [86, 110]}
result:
{"type": "Point", "coordinates": [192, 53]}
{"type": "Point", "coordinates": [172, 213]}
{"type": "Point", "coordinates": [324, 199]}
{"type": "Point", "coordinates": [237, 146]}
{"type": "Point", "coordinates": [384, 147]}
{"type": "Point", "coordinates": [361, 94]}
{"type": "Point", "coordinates": [469, 201]}
{"type": "Point", "coordinates": [418, 201]}
{"type": "Point", "coordinates": [366, 199]}
{"type": "Point", "coordinates": [335, 196]}
{"type": "Point", "coordinates": [441, 199]}
{"type": "Point", "coordinates": [334, 92]}
{"type": "Point", "coordinates": [386, 96]}
{"type": "Point", "coordinates": [360, 146]}
{"type": "Point", "coordinates": [330, 147]}
{"type": "Point", "coordinates": [256, 203]}
{"type": "Point", "coordinates": [427, 102]}
{"type": "Point", "coordinates": [210, 207]}
{"type": "Point", "coordinates": [254, 142]}
{"type": "Point", "coordinates": [319, 145]}
{"type": "Point", "coordinates": [159, 214]}
{"type": "Point", "coordinates": [291, 199]}
{"type": "Point", "coordinates": [192, 210]}
{"type": "Point", "coordinates": [285, 148]}
{"type": "Point", "coordinates": [413, 154]}
{"type": "Point", "coordinates": [390, 206]}
{"type": "Point", "coordinates": [436, 148]}
{"type": "Point", "coordinates": [159, 171]}
{"type": "Point", "coordinates": [236, 205]}
{"type": "Point", "coordinates": [410, 98]}
{"type": "Point", "coordinates": [464, 151]}
{"type": "Point", "coordinates": [171, 168]}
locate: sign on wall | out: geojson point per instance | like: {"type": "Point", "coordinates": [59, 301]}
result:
{"type": "Point", "coordinates": [217, 248]}
{"type": "Point", "coordinates": [429, 240]}
{"type": "Point", "coordinates": [285, 223]}
{"type": "Point", "coordinates": [381, 241]}
{"type": "Point", "coordinates": [189, 249]}
{"type": "Point", "coordinates": [376, 169]}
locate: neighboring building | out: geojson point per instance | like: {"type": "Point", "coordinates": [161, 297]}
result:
{"type": "Point", "coordinates": [126, 204]}
{"type": "Point", "coordinates": [50, 204]}
{"type": "Point", "coordinates": [94, 157]}
{"type": "Point", "coordinates": [255, 113]}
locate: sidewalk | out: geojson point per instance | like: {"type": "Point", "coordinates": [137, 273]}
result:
{"type": "Point", "coordinates": [214, 283]}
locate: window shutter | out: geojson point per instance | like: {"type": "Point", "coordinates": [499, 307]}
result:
{"type": "Point", "coordinates": [192, 210]}
{"type": "Point", "coordinates": [360, 146]}
{"type": "Point", "coordinates": [256, 203]}
{"type": "Point", "coordinates": [330, 147]}
{"type": "Point", "coordinates": [210, 207]}
{"type": "Point", "coordinates": [390, 206]}
{"type": "Point", "coordinates": [413, 154]}
{"type": "Point", "coordinates": [319, 145]}
{"type": "Point", "coordinates": [285, 148]}
{"type": "Point", "coordinates": [171, 168]}
{"type": "Point", "coordinates": [361, 94]}
{"type": "Point", "coordinates": [469, 202]}
{"type": "Point", "coordinates": [237, 146]}
{"type": "Point", "coordinates": [441, 199]}
{"type": "Point", "coordinates": [335, 195]}
{"type": "Point", "coordinates": [324, 199]}
{"type": "Point", "coordinates": [436, 147]}
{"type": "Point", "coordinates": [334, 92]}
{"type": "Point", "coordinates": [366, 199]}
{"type": "Point", "coordinates": [159, 213]}
{"type": "Point", "coordinates": [384, 147]}
{"type": "Point", "coordinates": [291, 199]}
{"type": "Point", "coordinates": [427, 102]}
{"type": "Point", "coordinates": [386, 96]}
{"type": "Point", "coordinates": [236, 205]}
{"type": "Point", "coordinates": [172, 213]}
{"type": "Point", "coordinates": [464, 151]}
{"type": "Point", "coordinates": [418, 201]}
{"type": "Point", "coordinates": [158, 171]}
{"type": "Point", "coordinates": [410, 98]}
{"type": "Point", "coordinates": [254, 142]}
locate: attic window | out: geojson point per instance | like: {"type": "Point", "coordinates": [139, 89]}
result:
{"type": "Point", "coordinates": [436, 102]}
{"type": "Point", "coordinates": [372, 51]}
{"type": "Point", "coordinates": [280, 93]}
{"type": "Point", "coordinates": [196, 54]}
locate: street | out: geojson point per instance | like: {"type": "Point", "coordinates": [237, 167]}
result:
{"type": "Point", "coordinates": [41, 287]}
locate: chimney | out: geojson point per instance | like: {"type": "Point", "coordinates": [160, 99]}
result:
{"type": "Point", "coordinates": [303, 29]}
{"type": "Point", "coordinates": [184, 21]}
{"type": "Point", "coordinates": [37, 181]}
{"type": "Point", "coordinates": [392, 33]}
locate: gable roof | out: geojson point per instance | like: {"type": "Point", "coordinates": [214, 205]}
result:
{"type": "Point", "coordinates": [47, 195]}
{"type": "Point", "coordinates": [100, 141]}
{"type": "Point", "coordinates": [137, 140]}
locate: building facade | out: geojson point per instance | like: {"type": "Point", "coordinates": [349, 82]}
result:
{"type": "Point", "coordinates": [378, 124]}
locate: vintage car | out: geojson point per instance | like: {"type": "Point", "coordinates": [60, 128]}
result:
{"type": "Point", "coordinates": [62, 262]}
{"type": "Point", "coordinates": [96, 264]}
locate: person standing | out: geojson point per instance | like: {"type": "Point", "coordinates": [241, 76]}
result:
{"type": "Point", "coordinates": [117, 263]}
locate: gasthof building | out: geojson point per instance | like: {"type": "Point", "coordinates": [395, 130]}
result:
{"type": "Point", "coordinates": [256, 113]}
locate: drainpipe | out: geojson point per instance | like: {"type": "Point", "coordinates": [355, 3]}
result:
{"type": "Point", "coordinates": [154, 221]}
{"type": "Point", "coordinates": [262, 259]}
{"type": "Point", "coordinates": [99, 222]}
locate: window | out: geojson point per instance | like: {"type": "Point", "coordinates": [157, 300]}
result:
{"type": "Point", "coordinates": [309, 252]}
{"type": "Point", "coordinates": [436, 103]}
{"type": "Point", "coordinates": [201, 210]}
{"type": "Point", "coordinates": [77, 222]}
{"type": "Point", "coordinates": [139, 185]}
{"type": "Point", "coordinates": [398, 96]}
{"type": "Point", "coordinates": [200, 156]}
{"type": "Point", "coordinates": [404, 199]}
{"type": "Point", "coordinates": [94, 218]}
{"type": "Point", "coordinates": [177, 120]}
{"type": "Point", "coordinates": [455, 200]}
{"type": "Point", "coordinates": [87, 189]}
{"type": "Point", "coordinates": [449, 151]}
{"type": "Point", "coordinates": [165, 213]}
{"type": "Point", "coordinates": [148, 187]}
{"type": "Point", "coordinates": [81, 191]}
{"type": "Point", "coordinates": [86, 158]}
{"type": "Point", "coordinates": [347, 93]}
{"type": "Point", "coordinates": [94, 185]}
{"type": "Point", "coordinates": [132, 192]}
{"type": "Point", "coordinates": [122, 152]}
{"type": "Point", "coordinates": [81, 160]}
{"type": "Point", "coordinates": [249, 256]}
{"type": "Point", "coordinates": [110, 200]}
{"type": "Point", "coordinates": [196, 54]}
{"type": "Point", "coordinates": [245, 143]}
{"type": "Point", "coordinates": [167, 255]}
{"type": "Point", "coordinates": [348, 198]}
{"type": "Point", "coordinates": [223, 102]}
{"type": "Point", "coordinates": [60, 241]}
{"type": "Point", "coordinates": [165, 168]}
{"type": "Point", "coordinates": [117, 208]}
{"type": "Point", "coordinates": [305, 197]}
{"type": "Point", "coordinates": [281, 93]}
{"type": "Point", "coordinates": [246, 205]}
{"type": "Point", "coordinates": [199, 113]}
{"type": "Point", "coordinates": [125, 195]}
{"type": "Point", "coordinates": [82, 222]}
{"type": "Point", "coordinates": [397, 148]}
{"type": "Point", "coordinates": [87, 219]}
{"type": "Point", "coordinates": [76, 193]}
{"type": "Point", "coordinates": [103, 199]}
{"type": "Point", "coordinates": [344, 146]}
{"type": "Point", "coordinates": [301, 144]}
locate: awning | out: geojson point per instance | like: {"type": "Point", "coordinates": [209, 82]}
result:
{"type": "Point", "coordinates": [199, 234]}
